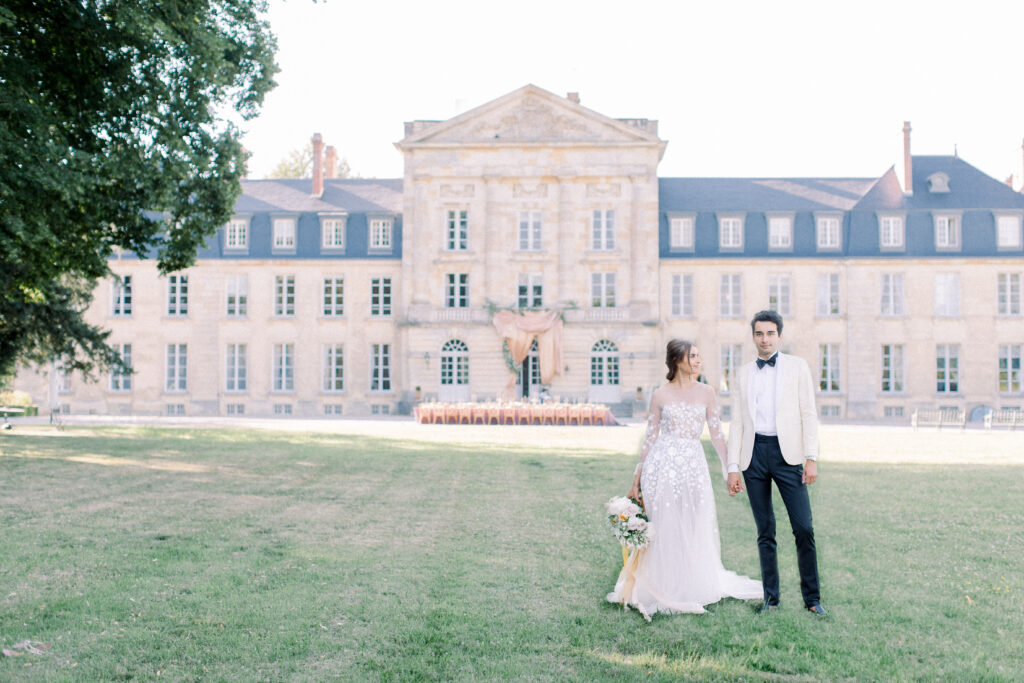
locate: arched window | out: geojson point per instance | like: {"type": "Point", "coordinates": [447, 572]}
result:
{"type": "Point", "coordinates": [454, 363]}
{"type": "Point", "coordinates": [604, 364]}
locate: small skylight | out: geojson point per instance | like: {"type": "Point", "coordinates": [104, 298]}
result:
{"type": "Point", "coordinates": [938, 183]}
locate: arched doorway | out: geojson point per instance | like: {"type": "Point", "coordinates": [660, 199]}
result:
{"type": "Point", "coordinates": [604, 373]}
{"type": "Point", "coordinates": [454, 371]}
{"type": "Point", "coordinates": [528, 381]}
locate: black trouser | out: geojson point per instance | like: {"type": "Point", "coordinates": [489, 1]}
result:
{"type": "Point", "coordinates": [767, 464]}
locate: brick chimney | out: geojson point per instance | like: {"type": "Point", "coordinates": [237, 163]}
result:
{"type": "Point", "coordinates": [1009, 180]}
{"type": "Point", "coordinates": [318, 168]}
{"type": "Point", "coordinates": [573, 97]}
{"type": "Point", "coordinates": [330, 162]}
{"type": "Point", "coordinates": [908, 166]}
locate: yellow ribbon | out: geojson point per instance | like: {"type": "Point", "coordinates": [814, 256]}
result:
{"type": "Point", "coordinates": [630, 562]}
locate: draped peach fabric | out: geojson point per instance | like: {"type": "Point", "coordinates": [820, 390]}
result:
{"type": "Point", "coordinates": [520, 329]}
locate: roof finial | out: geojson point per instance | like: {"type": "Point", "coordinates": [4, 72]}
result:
{"type": "Point", "coordinates": [955, 154]}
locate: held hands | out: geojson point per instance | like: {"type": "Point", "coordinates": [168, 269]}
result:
{"type": "Point", "coordinates": [810, 472]}
{"type": "Point", "coordinates": [735, 483]}
{"type": "Point", "coordinates": [634, 492]}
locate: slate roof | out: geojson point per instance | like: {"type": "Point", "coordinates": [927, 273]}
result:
{"type": "Point", "coordinates": [969, 188]}
{"type": "Point", "coordinates": [762, 194]}
{"type": "Point", "coordinates": [292, 195]}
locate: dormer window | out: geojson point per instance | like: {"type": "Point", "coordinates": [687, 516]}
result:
{"type": "Point", "coordinates": [947, 232]}
{"type": "Point", "coordinates": [730, 232]}
{"type": "Point", "coordinates": [681, 233]}
{"type": "Point", "coordinates": [284, 234]}
{"type": "Point", "coordinates": [891, 232]}
{"type": "Point", "coordinates": [827, 228]}
{"type": "Point", "coordinates": [332, 233]}
{"type": "Point", "coordinates": [938, 183]}
{"type": "Point", "coordinates": [236, 235]}
{"type": "Point", "coordinates": [1008, 232]}
{"type": "Point", "coordinates": [780, 232]}
{"type": "Point", "coordinates": [380, 234]}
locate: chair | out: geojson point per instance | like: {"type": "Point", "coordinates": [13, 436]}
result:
{"type": "Point", "coordinates": [493, 413]}
{"type": "Point", "coordinates": [465, 414]}
{"type": "Point", "coordinates": [523, 415]}
{"type": "Point", "coordinates": [479, 413]}
{"type": "Point", "coordinates": [547, 414]}
{"type": "Point", "coordinates": [561, 414]}
{"type": "Point", "coordinates": [599, 413]}
{"type": "Point", "coordinates": [574, 414]}
{"type": "Point", "coordinates": [587, 414]}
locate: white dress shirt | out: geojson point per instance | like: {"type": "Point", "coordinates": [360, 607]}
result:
{"type": "Point", "coordinates": [763, 388]}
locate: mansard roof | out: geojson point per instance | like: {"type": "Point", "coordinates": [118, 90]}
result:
{"type": "Point", "coordinates": [349, 195]}
{"type": "Point", "coordinates": [762, 194]}
{"type": "Point", "coordinates": [969, 188]}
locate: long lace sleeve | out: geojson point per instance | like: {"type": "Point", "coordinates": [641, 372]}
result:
{"type": "Point", "coordinates": [715, 430]}
{"type": "Point", "coordinates": [650, 433]}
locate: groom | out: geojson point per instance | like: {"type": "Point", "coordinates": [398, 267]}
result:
{"type": "Point", "coordinates": [774, 437]}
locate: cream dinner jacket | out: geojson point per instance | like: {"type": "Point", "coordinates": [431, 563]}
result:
{"type": "Point", "coordinates": [796, 419]}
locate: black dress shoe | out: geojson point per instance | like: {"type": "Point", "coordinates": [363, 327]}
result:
{"type": "Point", "coordinates": [817, 610]}
{"type": "Point", "coordinates": [766, 608]}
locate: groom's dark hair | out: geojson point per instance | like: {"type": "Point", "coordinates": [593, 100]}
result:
{"type": "Point", "coordinates": [767, 317]}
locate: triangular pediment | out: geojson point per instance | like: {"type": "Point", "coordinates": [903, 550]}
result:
{"type": "Point", "coordinates": [528, 115]}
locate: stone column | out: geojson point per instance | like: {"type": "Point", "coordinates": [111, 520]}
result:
{"type": "Point", "coordinates": [638, 282]}
{"type": "Point", "coordinates": [566, 240]}
{"type": "Point", "coordinates": [491, 241]}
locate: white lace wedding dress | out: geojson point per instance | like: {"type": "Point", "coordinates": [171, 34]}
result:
{"type": "Point", "coordinates": [681, 568]}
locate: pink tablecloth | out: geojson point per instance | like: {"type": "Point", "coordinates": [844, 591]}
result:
{"type": "Point", "coordinates": [514, 413]}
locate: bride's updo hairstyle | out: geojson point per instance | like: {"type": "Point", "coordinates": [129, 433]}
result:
{"type": "Point", "coordinates": [676, 352]}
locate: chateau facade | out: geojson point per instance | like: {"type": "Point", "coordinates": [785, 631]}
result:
{"type": "Point", "coordinates": [330, 296]}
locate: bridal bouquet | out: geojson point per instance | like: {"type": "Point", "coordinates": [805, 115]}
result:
{"type": "Point", "coordinates": [628, 522]}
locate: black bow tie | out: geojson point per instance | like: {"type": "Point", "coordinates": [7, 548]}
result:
{"type": "Point", "coordinates": [761, 362]}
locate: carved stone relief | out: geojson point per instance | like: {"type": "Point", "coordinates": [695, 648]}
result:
{"type": "Point", "coordinates": [604, 190]}
{"type": "Point", "coordinates": [448, 191]}
{"type": "Point", "coordinates": [526, 191]}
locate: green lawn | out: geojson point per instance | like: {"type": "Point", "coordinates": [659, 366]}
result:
{"type": "Point", "coordinates": [201, 554]}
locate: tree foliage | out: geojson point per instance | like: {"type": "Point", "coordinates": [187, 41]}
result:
{"type": "Point", "coordinates": [116, 133]}
{"type": "Point", "coordinates": [299, 164]}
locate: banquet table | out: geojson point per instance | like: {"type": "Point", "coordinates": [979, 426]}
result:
{"type": "Point", "coordinates": [514, 413]}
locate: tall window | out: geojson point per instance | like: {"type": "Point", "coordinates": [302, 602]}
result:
{"type": "Point", "coordinates": [1009, 294]}
{"type": "Point", "coordinates": [454, 363]}
{"type": "Point", "coordinates": [828, 368]}
{"type": "Point", "coordinates": [730, 302]}
{"type": "Point", "coordinates": [122, 380]}
{"type": "Point", "coordinates": [236, 235]}
{"type": "Point", "coordinates": [1009, 369]}
{"type": "Point", "coordinates": [235, 368]}
{"type": "Point", "coordinates": [380, 367]}
{"type": "Point", "coordinates": [892, 294]}
{"type": "Point", "coordinates": [380, 297]}
{"type": "Point", "coordinates": [947, 232]}
{"type": "Point", "coordinates": [602, 290]}
{"type": "Point", "coordinates": [602, 230]}
{"type": "Point", "coordinates": [890, 230]}
{"type": "Point", "coordinates": [334, 367]}
{"type": "Point", "coordinates": [177, 295]}
{"type": "Point", "coordinates": [63, 374]}
{"type": "Point", "coordinates": [681, 235]}
{"type": "Point", "coordinates": [604, 364]}
{"type": "Point", "coordinates": [284, 234]}
{"type": "Point", "coordinates": [730, 233]}
{"type": "Point", "coordinates": [284, 295]}
{"type": "Point", "coordinates": [176, 371]}
{"type": "Point", "coordinates": [332, 233]}
{"type": "Point", "coordinates": [284, 367]}
{"type": "Point", "coordinates": [828, 295]}
{"type": "Point", "coordinates": [334, 296]}
{"type": "Point", "coordinates": [1008, 233]}
{"type": "Point", "coordinates": [778, 294]}
{"type": "Point", "coordinates": [947, 295]}
{"type": "Point", "coordinates": [237, 295]}
{"type": "Point", "coordinates": [457, 230]}
{"type": "Point", "coordinates": [947, 368]}
{"type": "Point", "coordinates": [530, 290]}
{"type": "Point", "coordinates": [456, 290]}
{"type": "Point", "coordinates": [828, 232]}
{"type": "Point", "coordinates": [380, 234]}
{"type": "Point", "coordinates": [682, 295]}
{"type": "Point", "coordinates": [529, 230]}
{"type": "Point", "coordinates": [729, 355]}
{"type": "Point", "coordinates": [122, 290]}
{"type": "Point", "coordinates": [892, 368]}
{"type": "Point", "coordinates": [780, 233]}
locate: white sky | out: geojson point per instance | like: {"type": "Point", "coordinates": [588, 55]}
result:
{"type": "Point", "coordinates": [739, 88]}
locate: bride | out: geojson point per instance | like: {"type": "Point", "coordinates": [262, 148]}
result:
{"type": "Point", "coordinates": [681, 568]}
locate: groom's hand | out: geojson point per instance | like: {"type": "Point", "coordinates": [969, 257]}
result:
{"type": "Point", "coordinates": [810, 472]}
{"type": "Point", "coordinates": [735, 483]}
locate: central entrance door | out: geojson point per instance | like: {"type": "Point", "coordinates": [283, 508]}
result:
{"type": "Point", "coordinates": [528, 382]}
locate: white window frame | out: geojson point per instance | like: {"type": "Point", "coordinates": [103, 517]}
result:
{"type": "Point", "coordinates": [730, 295]}
{"type": "Point", "coordinates": [731, 231]}
{"type": "Point", "coordinates": [455, 363]}
{"type": "Point", "coordinates": [1009, 369]}
{"type": "Point", "coordinates": [121, 299]}
{"type": "Point", "coordinates": [381, 234]}
{"type": "Point", "coordinates": [1008, 289]}
{"type": "Point", "coordinates": [333, 368]}
{"type": "Point", "coordinates": [121, 382]}
{"type": "Point", "coordinates": [780, 231]}
{"type": "Point", "coordinates": [285, 233]}
{"type": "Point", "coordinates": [456, 291]}
{"type": "Point", "coordinates": [530, 290]}
{"type": "Point", "coordinates": [948, 231]}
{"type": "Point", "coordinates": [456, 230]}
{"type": "Point", "coordinates": [284, 296]}
{"type": "Point", "coordinates": [828, 230]}
{"type": "Point", "coordinates": [780, 293]}
{"type": "Point", "coordinates": [1008, 231]}
{"type": "Point", "coordinates": [602, 230]}
{"type": "Point", "coordinates": [381, 295]}
{"type": "Point", "coordinates": [283, 369]}
{"type": "Point", "coordinates": [605, 364]}
{"type": "Point", "coordinates": [333, 229]}
{"type": "Point", "coordinates": [236, 296]}
{"type": "Point", "coordinates": [947, 369]}
{"type": "Point", "coordinates": [333, 298]}
{"type": "Point", "coordinates": [530, 230]}
{"type": "Point", "coordinates": [729, 359]}
{"type": "Point", "coordinates": [829, 369]}
{"type": "Point", "coordinates": [602, 290]}
{"type": "Point", "coordinates": [947, 295]}
{"type": "Point", "coordinates": [829, 302]}
{"type": "Point", "coordinates": [682, 234]}
{"type": "Point", "coordinates": [177, 295]}
{"type": "Point", "coordinates": [380, 368]}
{"type": "Point", "coordinates": [892, 231]}
{"type": "Point", "coordinates": [893, 369]}
{"type": "Point", "coordinates": [236, 235]}
{"type": "Point", "coordinates": [236, 368]}
{"type": "Point", "coordinates": [682, 295]}
{"type": "Point", "coordinates": [176, 368]}
{"type": "Point", "coordinates": [894, 302]}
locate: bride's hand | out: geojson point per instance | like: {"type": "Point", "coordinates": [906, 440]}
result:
{"type": "Point", "coordinates": [634, 491]}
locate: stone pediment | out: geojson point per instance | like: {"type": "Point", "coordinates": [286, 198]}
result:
{"type": "Point", "coordinates": [529, 115]}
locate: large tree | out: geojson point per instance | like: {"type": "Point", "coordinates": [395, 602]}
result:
{"type": "Point", "coordinates": [116, 133]}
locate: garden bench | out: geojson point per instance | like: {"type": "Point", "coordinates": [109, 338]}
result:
{"type": "Point", "coordinates": [1005, 417]}
{"type": "Point", "coordinates": [938, 417]}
